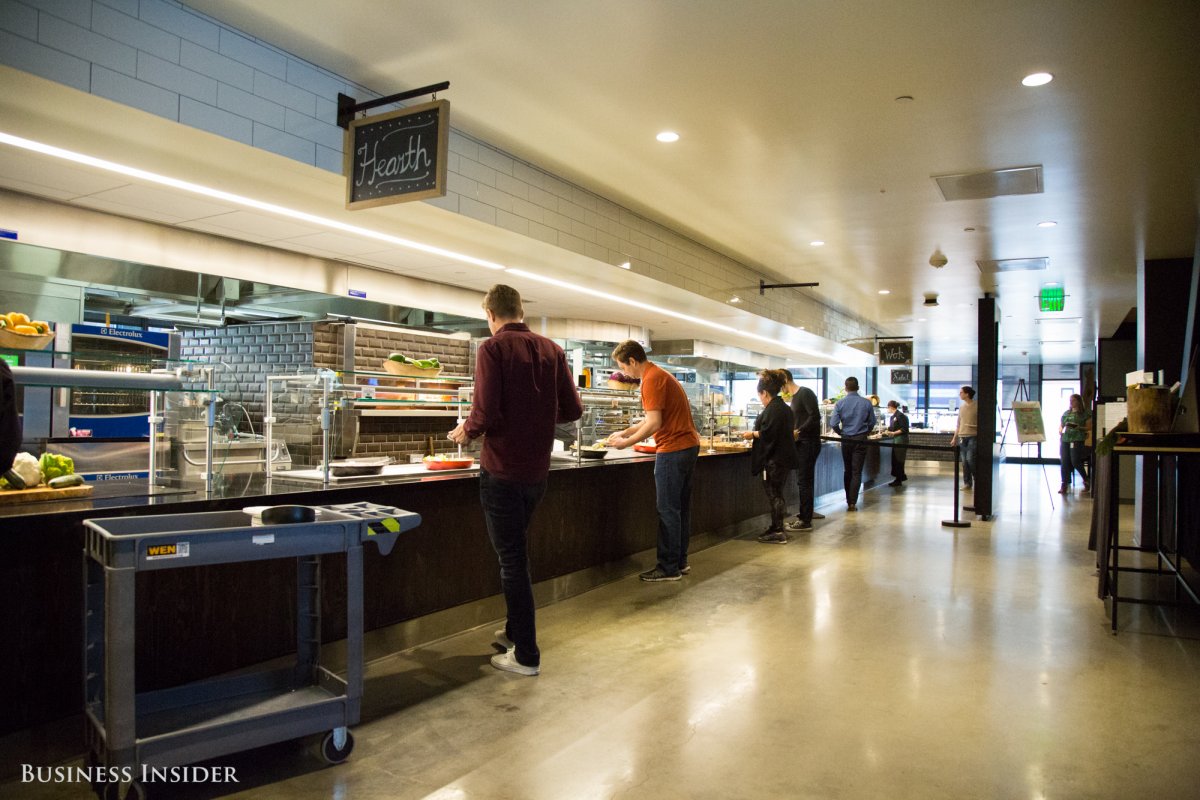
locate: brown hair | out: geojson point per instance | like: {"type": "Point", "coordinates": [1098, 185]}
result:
{"type": "Point", "coordinates": [786, 374]}
{"type": "Point", "coordinates": [770, 381]}
{"type": "Point", "coordinates": [629, 350]}
{"type": "Point", "coordinates": [851, 384]}
{"type": "Point", "coordinates": [504, 302]}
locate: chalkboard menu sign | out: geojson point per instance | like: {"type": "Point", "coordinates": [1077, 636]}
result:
{"type": "Point", "coordinates": [895, 352]}
{"type": "Point", "coordinates": [397, 157]}
{"type": "Point", "coordinates": [901, 376]}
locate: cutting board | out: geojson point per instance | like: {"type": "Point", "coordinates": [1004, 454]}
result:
{"type": "Point", "coordinates": [10, 497]}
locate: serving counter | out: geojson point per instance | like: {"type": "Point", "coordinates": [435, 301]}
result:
{"type": "Point", "coordinates": [594, 513]}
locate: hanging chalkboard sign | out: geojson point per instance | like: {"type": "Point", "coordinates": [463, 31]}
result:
{"type": "Point", "coordinates": [397, 157]}
{"type": "Point", "coordinates": [895, 352]}
{"type": "Point", "coordinates": [900, 376]}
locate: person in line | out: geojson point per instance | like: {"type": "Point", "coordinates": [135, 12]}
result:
{"type": "Point", "coordinates": [806, 419]}
{"type": "Point", "coordinates": [964, 434]}
{"type": "Point", "coordinates": [669, 420]}
{"type": "Point", "coordinates": [773, 453]}
{"type": "Point", "coordinates": [897, 431]}
{"type": "Point", "coordinates": [1072, 429]}
{"type": "Point", "coordinates": [523, 388]}
{"type": "Point", "coordinates": [853, 419]}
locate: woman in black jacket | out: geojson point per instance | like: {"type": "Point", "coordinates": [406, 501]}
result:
{"type": "Point", "coordinates": [774, 452]}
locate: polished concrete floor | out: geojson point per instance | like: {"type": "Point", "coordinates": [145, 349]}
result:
{"type": "Point", "coordinates": [880, 656]}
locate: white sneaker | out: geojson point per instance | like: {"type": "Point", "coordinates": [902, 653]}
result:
{"type": "Point", "coordinates": [503, 641]}
{"type": "Point", "coordinates": [507, 661]}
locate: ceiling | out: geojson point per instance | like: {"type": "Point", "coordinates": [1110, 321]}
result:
{"type": "Point", "coordinates": [792, 131]}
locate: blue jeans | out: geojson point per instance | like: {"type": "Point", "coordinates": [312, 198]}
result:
{"type": "Point", "coordinates": [673, 487]}
{"type": "Point", "coordinates": [508, 508]}
{"type": "Point", "coordinates": [1073, 456]}
{"type": "Point", "coordinates": [966, 452]}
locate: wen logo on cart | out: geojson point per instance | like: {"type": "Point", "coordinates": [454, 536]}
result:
{"type": "Point", "coordinates": [177, 550]}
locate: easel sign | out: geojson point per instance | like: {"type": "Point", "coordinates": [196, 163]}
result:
{"type": "Point", "coordinates": [1027, 414]}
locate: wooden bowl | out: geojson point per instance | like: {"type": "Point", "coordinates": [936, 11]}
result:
{"type": "Point", "coordinates": [408, 370]}
{"type": "Point", "coordinates": [22, 341]}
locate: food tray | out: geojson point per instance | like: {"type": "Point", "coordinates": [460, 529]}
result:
{"type": "Point", "coordinates": [358, 466]}
{"type": "Point", "coordinates": [409, 371]}
{"type": "Point", "coordinates": [21, 341]}
{"type": "Point", "coordinates": [457, 463]}
{"type": "Point", "coordinates": [588, 453]}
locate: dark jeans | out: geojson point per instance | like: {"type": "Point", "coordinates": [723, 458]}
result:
{"type": "Point", "coordinates": [1074, 457]}
{"type": "Point", "coordinates": [673, 485]}
{"type": "Point", "coordinates": [507, 508]}
{"type": "Point", "coordinates": [899, 452]}
{"type": "Point", "coordinates": [774, 478]}
{"type": "Point", "coordinates": [966, 451]}
{"type": "Point", "coordinates": [854, 455]}
{"type": "Point", "coordinates": [808, 450]}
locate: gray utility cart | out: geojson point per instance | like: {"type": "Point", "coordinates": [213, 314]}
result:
{"type": "Point", "coordinates": [131, 734]}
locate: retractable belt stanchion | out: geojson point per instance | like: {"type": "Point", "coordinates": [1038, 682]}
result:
{"type": "Point", "coordinates": [956, 522]}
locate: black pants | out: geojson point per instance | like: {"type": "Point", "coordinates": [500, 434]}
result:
{"type": "Point", "coordinates": [507, 508]}
{"type": "Point", "coordinates": [808, 450]}
{"type": "Point", "coordinates": [899, 452]}
{"type": "Point", "coordinates": [854, 455]}
{"type": "Point", "coordinates": [774, 479]}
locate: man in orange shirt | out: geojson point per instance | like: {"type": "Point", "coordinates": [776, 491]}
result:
{"type": "Point", "coordinates": [669, 420]}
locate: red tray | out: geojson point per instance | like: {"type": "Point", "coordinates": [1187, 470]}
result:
{"type": "Point", "coordinates": [645, 448]}
{"type": "Point", "coordinates": [455, 464]}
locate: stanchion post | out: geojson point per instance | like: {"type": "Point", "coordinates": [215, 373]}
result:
{"type": "Point", "coordinates": [956, 522]}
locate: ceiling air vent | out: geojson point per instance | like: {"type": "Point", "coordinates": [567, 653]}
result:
{"type": "Point", "coordinates": [1012, 265]}
{"type": "Point", "coordinates": [994, 183]}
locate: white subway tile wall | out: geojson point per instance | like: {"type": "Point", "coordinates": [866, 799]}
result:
{"type": "Point", "coordinates": [168, 60]}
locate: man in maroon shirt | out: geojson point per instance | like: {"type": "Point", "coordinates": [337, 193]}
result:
{"type": "Point", "coordinates": [523, 388]}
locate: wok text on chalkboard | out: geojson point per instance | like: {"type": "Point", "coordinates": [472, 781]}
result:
{"type": "Point", "coordinates": [397, 157]}
{"type": "Point", "coordinates": [895, 352]}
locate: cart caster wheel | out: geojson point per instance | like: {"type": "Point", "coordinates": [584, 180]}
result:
{"type": "Point", "coordinates": [330, 751]}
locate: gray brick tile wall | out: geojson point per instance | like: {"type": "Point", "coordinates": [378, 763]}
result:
{"type": "Point", "coordinates": [162, 57]}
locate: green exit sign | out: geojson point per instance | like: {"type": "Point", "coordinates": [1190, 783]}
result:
{"type": "Point", "coordinates": [13, 361]}
{"type": "Point", "coordinates": [1051, 298]}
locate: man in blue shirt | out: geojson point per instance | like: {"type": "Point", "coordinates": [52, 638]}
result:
{"type": "Point", "coordinates": [853, 419]}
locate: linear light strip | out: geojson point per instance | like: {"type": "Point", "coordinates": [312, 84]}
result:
{"type": "Point", "coordinates": [657, 309]}
{"type": "Point", "coordinates": [283, 211]}
{"type": "Point", "coordinates": [206, 191]}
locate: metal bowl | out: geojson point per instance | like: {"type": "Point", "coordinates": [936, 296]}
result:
{"type": "Point", "coordinates": [358, 466]}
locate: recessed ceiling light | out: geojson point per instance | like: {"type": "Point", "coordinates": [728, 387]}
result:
{"type": "Point", "coordinates": [625, 265]}
{"type": "Point", "coordinates": [885, 291]}
{"type": "Point", "coordinates": [817, 243]}
{"type": "Point", "coordinates": [968, 230]}
{"type": "Point", "coordinates": [904, 98]}
{"type": "Point", "coordinates": [1037, 79]}
{"type": "Point", "coordinates": [735, 299]}
{"type": "Point", "coordinates": [668, 136]}
{"type": "Point", "coordinates": [1047, 224]}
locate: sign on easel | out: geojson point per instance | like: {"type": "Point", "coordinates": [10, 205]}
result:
{"type": "Point", "coordinates": [1027, 414]}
